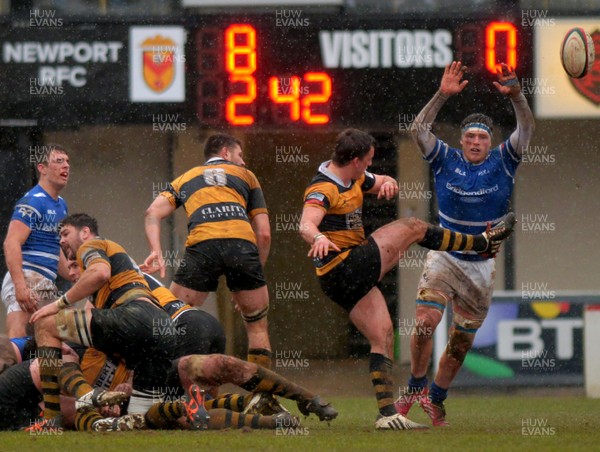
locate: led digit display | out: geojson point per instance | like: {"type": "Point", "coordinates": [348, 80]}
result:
{"type": "Point", "coordinates": [336, 71]}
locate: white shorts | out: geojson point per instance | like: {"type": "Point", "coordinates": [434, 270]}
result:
{"type": "Point", "coordinates": [467, 284]}
{"type": "Point", "coordinates": [44, 288]}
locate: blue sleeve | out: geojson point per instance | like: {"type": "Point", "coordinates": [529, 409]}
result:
{"type": "Point", "coordinates": [27, 210]}
{"type": "Point", "coordinates": [437, 157]}
{"type": "Point", "coordinates": [510, 159]}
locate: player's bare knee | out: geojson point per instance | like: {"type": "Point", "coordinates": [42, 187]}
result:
{"type": "Point", "coordinates": [430, 309]}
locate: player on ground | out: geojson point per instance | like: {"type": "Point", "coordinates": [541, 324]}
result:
{"type": "Point", "coordinates": [120, 321]}
{"type": "Point", "coordinates": [190, 369]}
{"type": "Point", "coordinates": [229, 234]}
{"type": "Point", "coordinates": [473, 187]}
{"type": "Point", "coordinates": [349, 265]}
{"type": "Point", "coordinates": [31, 246]}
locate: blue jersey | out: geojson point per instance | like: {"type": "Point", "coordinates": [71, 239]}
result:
{"type": "Point", "coordinates": [42, 214]}
{"type": "Point", "coordinates": [469, 196]}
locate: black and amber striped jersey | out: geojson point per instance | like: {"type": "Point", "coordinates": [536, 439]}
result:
{"type": "Point", "coordinates": [126, 282]}
{"type": "Point", "coordinates": [173, 305]}
{"type": "Point", "coordinates": [101, 371]}
{"type": "Point", "coordinates": [220, 199]}
{"type": "Point", "coordinates": [342, 223]}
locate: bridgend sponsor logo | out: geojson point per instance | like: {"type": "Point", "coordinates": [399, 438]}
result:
{"type": "Point", "coordinates": [386, 48]}
{"type": "Point", "coordinates": [536, 427]}
{"type": "Point", "coordinates": [290, 359]}
{"type": "Point", "coordinates": [460, 191]}
{"type": "Point", "coordinates": [63, 61]}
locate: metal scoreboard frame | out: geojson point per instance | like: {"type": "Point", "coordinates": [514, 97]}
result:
{"type": "Point", "coordinates": [320, 71]}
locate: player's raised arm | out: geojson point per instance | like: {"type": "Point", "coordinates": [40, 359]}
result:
{"type": "Point", "coordinates": [508, 84]}
{"type": "Point", "coordinates": [451, 84]}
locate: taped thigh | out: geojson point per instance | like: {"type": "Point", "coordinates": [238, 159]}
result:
{"type": "Point", "coordinates": [465, 325]}
{"type": "Point", "coordinates": [432, 298]}
{"type": "Point", "coordinates": [72, 325]}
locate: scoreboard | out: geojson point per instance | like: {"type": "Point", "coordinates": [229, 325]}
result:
{"type": "Point", "coordinates": [253, 71]}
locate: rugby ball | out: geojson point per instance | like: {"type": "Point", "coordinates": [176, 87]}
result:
{"type": "Point", "coordinates": [577, 52]}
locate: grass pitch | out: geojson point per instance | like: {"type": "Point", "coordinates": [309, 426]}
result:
{"type": "Point", "coordinates": [510, 423]}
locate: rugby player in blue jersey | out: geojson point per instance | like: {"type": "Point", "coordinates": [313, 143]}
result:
{"type": "Point", "coordinates": [473, 187]}
{"type": "Point", "coordinates": [31, 246]}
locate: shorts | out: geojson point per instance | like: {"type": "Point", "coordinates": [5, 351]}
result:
{"type": "Point", "coordinates": [349, 281]}
{"type": "Point", "coordinates": [19, 398]}
{"type": "Point", "coordinates": [198, 333]}
{"type": "Point", "coordinates": [204, 262]}
{"type": "Point", "coordinates": [467, 284]}
{"type": "Point", "coordinates": [138, 333]}
{"type": "Point", "coordinates": [44, 288]}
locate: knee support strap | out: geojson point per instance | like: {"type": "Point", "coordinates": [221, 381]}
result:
{"type": "Point", "coordinates": [432, 298]}
{"type": "Point", "coordinates": [256, 315]}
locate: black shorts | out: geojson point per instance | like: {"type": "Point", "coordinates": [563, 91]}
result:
{"type": "Point", "coordinates": [351, 280]}
{"type": "Point", "coordinates": [198, 333]}
{"type": "Point", "coordinates": [205, 261]}
{"type": "Point", "coordinates": [140, 333]}
{"type": "Point", "coordinates": [19, 398]}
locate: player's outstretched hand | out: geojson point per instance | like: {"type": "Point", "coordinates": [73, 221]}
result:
{"type": "Point", "coordinates": [452, 82]}
{"type": "Point", "coordinates": [508, 83]}
{"type": "Point", "coordinates": [153, 263]}
{"type": "Point", "coordinates": [321, 247]}
{"type": "Point", "coordinates": [388, 190]}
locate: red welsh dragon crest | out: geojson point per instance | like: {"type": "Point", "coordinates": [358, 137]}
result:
{"type": "Point", "coordinates": [159, 62]}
